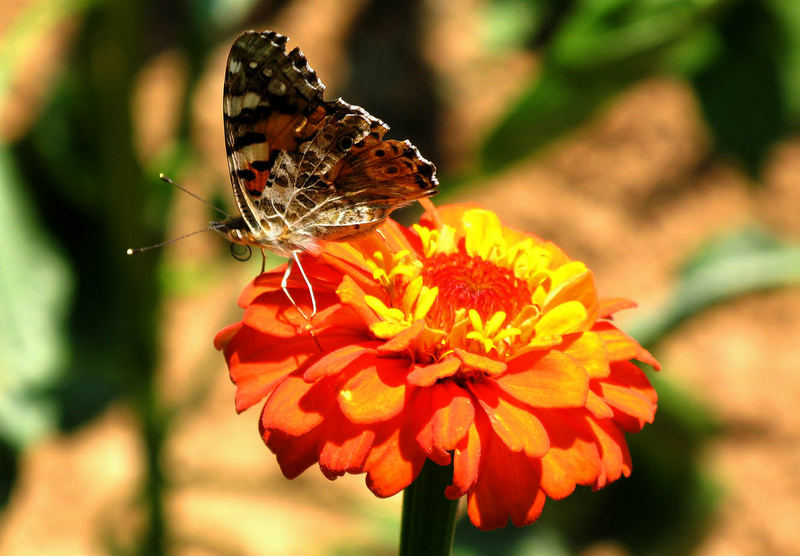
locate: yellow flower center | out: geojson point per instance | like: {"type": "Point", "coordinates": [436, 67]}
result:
{"type": "Point", "coordinates": [484, 291]}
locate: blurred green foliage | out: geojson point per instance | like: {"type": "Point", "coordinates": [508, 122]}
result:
{"type": "Point", "coordinates": [741, 56]}
{"type": "Point", "coordinates": [738, 263]}
{"type": "Point", "coordinates": [81, 319]}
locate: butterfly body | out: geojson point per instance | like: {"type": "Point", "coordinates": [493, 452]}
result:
{"type": "Point", "coordinates": [304, 169]}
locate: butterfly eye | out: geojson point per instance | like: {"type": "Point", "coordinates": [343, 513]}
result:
{"type": "Point", "coordinates": [345, 143]}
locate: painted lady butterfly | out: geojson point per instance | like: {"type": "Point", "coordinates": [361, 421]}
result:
{"type": "Point", "coordinates": [304, 169]}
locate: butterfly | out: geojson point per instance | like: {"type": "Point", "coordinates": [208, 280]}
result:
{"type": "Point", "coordinates": [304, 169]}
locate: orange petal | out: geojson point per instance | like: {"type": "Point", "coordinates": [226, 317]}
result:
{"type": "Point", "coordinates": [391, 237]}
{"type": "Point", "coordinates": [349, 262]}
{"type": "Point", "coordinates": [255, 381]}
{"type": "Point", "coordinates": [609, 306]}
{"type": "Point", "coordinates": [272, 313]}
{"type": "Point", "coordinates": [257, 362]}
{"type": "Point", "coordinates": [422, 406]}
{"type": "Point", "coordinates": [449, 215]}
{"type": "Point", "coordinates": [553, 380]}
{"type": "Point", "coordinates": [351, 294]}
{"type": "Point", "coordinates": [225, 335]}
{"type": "Point", "coordinates": [322, 278]}
{"type": "Point", "coordinates": [646, 357]}
{"type": "Point", "coordinates": [395, 459]}
{"type": "Point", "coordinates": [345, 447]}
{"type": "Point", "coordinates": [517, 427]}
{"type": "Point", "coordinates": [453, 415]}
{"type": "Point", "coordinates": [474, 361]}
{"type": "Point", "coordinates": [263, 283]}
{"type": "Point", "coordinates": [573, 457]}
{"type": "Point", "coordinates": [402, 341]}
{"type": "Point", "coordinates": [376, 392]}
{"type": "Point", "coordinates": [340, 320]}
{"type": "Point", "coordinates": [508, 486]}
{"type": "Point", "coordinates": [625, 373]}
{"type": "Point", "coordinates": [296, 406]}
{"type": "Point", "coordinates": [295, 454]}
{"type": "Point", "coordinates": [588, 351]}
{"type": "Point", "coordinates": [629, 402]}
{"type": "Point", "coordinates": [628, 391]}
{"type": "Point", "coordinates": [622, 347]}
{"type": "Point", "coordinates": [598, 407]}
{"type": "Point", "coordinates": [614, 455]}
{"type": "Point", "coordinates": [466, 463]}
{"type": "Point", "coordinates": [336, 361]}
{"type": "Point", "coordinates": [427, 375]}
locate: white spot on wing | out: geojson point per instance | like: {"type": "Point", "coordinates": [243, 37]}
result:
{"type": "Point", "coordinates": [256, 151]}
{"type": "Point", "coordinates": [233, 105]}
{"type": "Point", "coordinates": [234, 65]}
{"type": "Point", "coordinates": [251, 100]}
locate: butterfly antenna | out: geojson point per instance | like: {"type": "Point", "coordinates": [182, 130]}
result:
{"type": "Point", "coordinates": [173, 240]}
{"type": "Point", "coordinates": [168, 180]}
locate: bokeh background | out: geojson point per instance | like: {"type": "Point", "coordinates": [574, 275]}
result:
{"type": "Point", "coordinates": [656, 140]}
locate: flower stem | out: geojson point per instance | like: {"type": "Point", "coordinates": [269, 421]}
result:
{"type": "Point", "coordinates": [428, 517]}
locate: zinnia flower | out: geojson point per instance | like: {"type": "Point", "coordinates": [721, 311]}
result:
{"type": "Point", "coordinates": [460, 341]}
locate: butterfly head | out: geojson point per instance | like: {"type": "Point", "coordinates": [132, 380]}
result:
{"type": "Point", "coordinates": [235, 230]}
{"type": "Point", "coordinates": [277, 239]}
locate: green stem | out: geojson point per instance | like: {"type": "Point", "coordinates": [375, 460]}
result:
{"type": "Point", "coordinates": [428, 517]}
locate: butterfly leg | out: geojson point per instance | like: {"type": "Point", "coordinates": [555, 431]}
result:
{"type": "Point", "coordinates": [264, 260]}
{"type": "Point", "coordinates": [308, 284]}
{"type": "Point", "coordinates": [285, 288]}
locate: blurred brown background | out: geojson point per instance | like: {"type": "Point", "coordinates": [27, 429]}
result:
{"type": "Point", "coordinates": [653, 139]}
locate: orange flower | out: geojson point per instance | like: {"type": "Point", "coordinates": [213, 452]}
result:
{"type": "Point", "coordinates": [460, 341]}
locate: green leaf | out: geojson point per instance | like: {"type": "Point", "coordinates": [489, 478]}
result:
{"type": "Point", "coordinates": [787, 16]}
{"type": "Point", "coordinates": [557, 102]}
{"type": "Point", "coordinates": [741, 91]}
{"type": "Point", "coordinates": [35, 286]}
{"type": "Point", "coordinates": [742, 262]}
{"type": "Point", "coordinates": [610, 32]}
{"type": "Point", "coordinates": [602, 47]}
{"type": "Point", "coordinates": [511, 23]}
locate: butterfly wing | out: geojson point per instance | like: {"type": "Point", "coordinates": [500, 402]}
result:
{"type": "Point", "coordinates": [321, 170]}
{"type": "Point", "coordinates": [271, 101]}
{"type": "Point", "coordinates": [375, 177]}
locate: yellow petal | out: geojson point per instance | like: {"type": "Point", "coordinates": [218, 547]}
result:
{"type": "Point", "coordinates": [425, 301]}
{"type": "Point", "coordinates": [495, 323]}
{"type": "Point", "coordinates": [382, 310]}
{"type": "Point", "coordinates": [562, 319]}
{"type": "Point", "coordinates": [411, 293]}
{"type": "Point", "coordinates": [483, 231]}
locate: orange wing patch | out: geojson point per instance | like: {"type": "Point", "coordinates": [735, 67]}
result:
{"type": "Point", "coordinates": [282, 132]}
